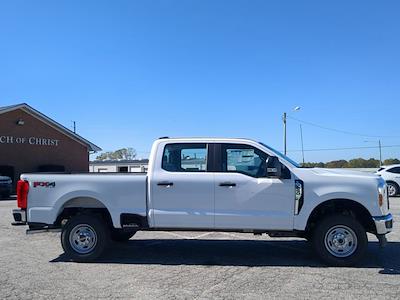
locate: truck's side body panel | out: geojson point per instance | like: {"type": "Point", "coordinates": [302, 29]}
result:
{"type": "Point", "coordinates": [119, 193]}
{"type": "Point", "coordinates": [253, 203]}
{"type": "Point", "coordinates": [188, 202]}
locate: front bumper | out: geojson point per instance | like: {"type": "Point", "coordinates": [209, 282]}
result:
{"type": "Point", "coordinates": [383, 224]}
{"type": "Point", "coordinates": [19, 217]}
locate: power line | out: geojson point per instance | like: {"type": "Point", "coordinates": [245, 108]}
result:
{"type": "Point", "coordinates": [346, 148]}
{"type": "Point", "coordinates": [341, 131]}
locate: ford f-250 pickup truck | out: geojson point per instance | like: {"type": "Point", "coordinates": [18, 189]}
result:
{"type": "Point", "coordinates": [210, 184]}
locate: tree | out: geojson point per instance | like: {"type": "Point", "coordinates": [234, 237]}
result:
{"type": "Point", "coordinates": [391, 161]}
{"type": "Point", "coordinates": [363, 163]}
{"type": "Point", "coordinates": [337, 164]}
{"type": "Point", "coordinates": [124, 153]}
{"type": "Point", "coordinates": [353, 163]}
{"type": "Point", "coordinates": [313, 165]}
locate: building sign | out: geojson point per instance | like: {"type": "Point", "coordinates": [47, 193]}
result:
{"type": "Point", "coordinates": [40, 141]}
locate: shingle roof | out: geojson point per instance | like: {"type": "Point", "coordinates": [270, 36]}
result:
{"type": "Point", "coordinates": [51, 122]}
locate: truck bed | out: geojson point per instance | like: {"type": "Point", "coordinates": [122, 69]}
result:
{"type": "Point", "coordinates": [120, 193]}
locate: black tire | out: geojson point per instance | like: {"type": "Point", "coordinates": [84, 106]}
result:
{"type": "Point", "coordinates": [355, 240]}
{"type": "Point", "coordinates": [95, 227]}
{"type": "Point", "coordinates": [118, 235]}
{"type": "Point", "coordinates": [392, 188]}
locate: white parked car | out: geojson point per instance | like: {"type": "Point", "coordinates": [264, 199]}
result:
{"type": "Point", "coordinates": [392, 176]}
{"type": "Point", "coordinates": [208, 184]}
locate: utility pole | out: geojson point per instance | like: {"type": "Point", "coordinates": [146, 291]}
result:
{"type": "Point", "coordinates": [284, 117]}
{"type": "Point", "coordinates": [302, 144]}
{"type": "Point", "coordinates": [380, 153]}
{"type": "Point", "coordinates": [284, 132]}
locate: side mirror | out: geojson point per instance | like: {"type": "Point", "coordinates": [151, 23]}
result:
{"type": "Point", "coordinates": [274, 167]}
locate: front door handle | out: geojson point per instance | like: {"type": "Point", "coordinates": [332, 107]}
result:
{"type": "Point", "coordinates": [228, 184]}
{"type": "Point", "coordinates": [165, 183]}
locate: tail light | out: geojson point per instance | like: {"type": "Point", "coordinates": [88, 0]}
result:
{"type": "Point", "coordinates": [22, 193]}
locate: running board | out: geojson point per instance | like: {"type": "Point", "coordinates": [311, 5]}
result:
{"type": "Point", "coordinates": [42, 230]}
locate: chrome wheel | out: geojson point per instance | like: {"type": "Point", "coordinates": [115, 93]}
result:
{"type": "Point", "coordinates": [341, 241]}
{"type": "Point", "coordinates": [392, 190]}
{"type": "Point", "coordinates": [83, 238]}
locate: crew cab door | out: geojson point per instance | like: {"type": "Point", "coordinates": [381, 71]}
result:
{"type": "Point", "coordinates": [244, 197]}
{"type": "Point", "coordinates": [182, 191]}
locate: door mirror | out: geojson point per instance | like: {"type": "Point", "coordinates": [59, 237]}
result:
{"type": "Point", "coordinates": [274, 167]}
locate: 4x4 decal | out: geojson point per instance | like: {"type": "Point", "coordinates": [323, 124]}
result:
{"type": "Point", "coordinates": [44, 184]}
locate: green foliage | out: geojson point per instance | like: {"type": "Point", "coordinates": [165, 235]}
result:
{"type": "Point", "coordinates": [363, 163]}
{"type": "Point", "coordinates": [353, 163]}
{"type": "Point", "coordinates": [313, 165]}
{"type": "Point", "coordinates": [337, 164]}
{"type": "Point", "coordinates": [391, 161]}
{"type": "Point", "coordinates": [124, 153]}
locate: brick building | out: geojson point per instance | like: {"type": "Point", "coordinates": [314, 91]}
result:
{"type": "Point", "coordinates": [32, 142]}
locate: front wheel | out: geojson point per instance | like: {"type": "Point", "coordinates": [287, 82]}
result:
{"type": "Point", "coordinates": [84, 238]}
{"type": "Point", "coordinates": [340, 240]}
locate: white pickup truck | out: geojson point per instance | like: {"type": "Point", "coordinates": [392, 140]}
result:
{"type": "Point", "coordinates": [209, 184]}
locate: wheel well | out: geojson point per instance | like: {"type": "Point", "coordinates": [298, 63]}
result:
{"type": "Point", "coordinates": [393, 182]}
{"type": "Point", "coordinates": [83, 205]}
{"type": "Point", "coordinates": [342, 206]}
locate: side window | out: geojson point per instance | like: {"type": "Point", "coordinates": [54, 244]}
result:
{"type": "Point", "coordinates": [185, 158]}
{"type": "Point", "coordinates": [395, 170]}
{"type": "Point", "coordinates": [243, 159]}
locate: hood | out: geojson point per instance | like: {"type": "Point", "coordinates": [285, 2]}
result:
{"type": "Point", "coordinates": [342, 172]}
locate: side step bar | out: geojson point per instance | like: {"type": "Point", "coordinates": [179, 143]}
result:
{"type": "Point", "coordinates": [42, 230]}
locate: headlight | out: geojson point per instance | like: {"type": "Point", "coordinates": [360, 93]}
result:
{"type": "Point", "coordinates": [299, 196]}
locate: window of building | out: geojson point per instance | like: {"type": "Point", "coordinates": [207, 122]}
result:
{"type": "Point", "coordinates": [185, 158]}
{"type": "Point", "coordinates": [123, 169]}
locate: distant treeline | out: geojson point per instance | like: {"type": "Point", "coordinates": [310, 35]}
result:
{"type": "Point", "coordinates": [352, 163]}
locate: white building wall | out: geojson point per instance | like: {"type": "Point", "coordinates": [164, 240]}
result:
{"type": "Point", "coordinates": [114, 167]}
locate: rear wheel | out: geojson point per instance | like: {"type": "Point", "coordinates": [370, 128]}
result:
{"type": "Point", "coordinates": [393, 189]}
{"type": "Point", "coordinates": [121, 236]}
{"type": "Point", "coordinates": [84, 237]}
{"type": "Point", "coordinates": [340, 240]}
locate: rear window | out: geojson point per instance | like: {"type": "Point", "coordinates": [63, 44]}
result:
{"type": "Point", "coordinates": [185, 157]}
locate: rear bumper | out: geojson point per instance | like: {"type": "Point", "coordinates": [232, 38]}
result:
{"type": "Point", "coordinates": [19, 217]}
{"type": "Point", "coordinates": [383, 224]}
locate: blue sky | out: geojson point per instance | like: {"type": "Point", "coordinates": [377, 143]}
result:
{"type": "Point", "coordinates": [131, 71]}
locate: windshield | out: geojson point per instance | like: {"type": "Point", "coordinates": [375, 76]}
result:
{"type": "Point", "coordinates": [282, 155]}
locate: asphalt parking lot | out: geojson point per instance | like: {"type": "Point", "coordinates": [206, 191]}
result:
{"type": "Point", "coordinates": [191, 265]}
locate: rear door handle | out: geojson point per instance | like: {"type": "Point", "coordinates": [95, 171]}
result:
{"type": "Point", "coordinates": [165, 183]}
{"type": "Point", "coordinates": [228, 184]}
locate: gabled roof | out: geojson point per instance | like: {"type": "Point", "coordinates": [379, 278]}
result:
{"type": "Point", "coordinates": [30, 110]}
